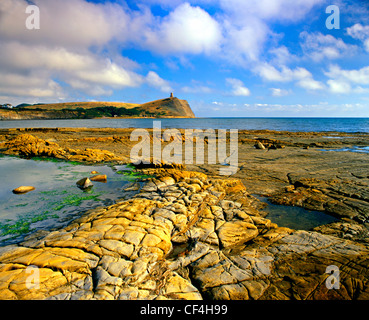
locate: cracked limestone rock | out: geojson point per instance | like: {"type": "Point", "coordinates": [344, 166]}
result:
{"type": "Point", "coordinates": [184, 236]}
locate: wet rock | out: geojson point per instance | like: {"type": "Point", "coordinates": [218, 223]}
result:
{"type": "Point", "coordinates": [27, 145]}
{"type": "Point", "coordinates": [84, 183]}
{"type": "Point", "coordinates": [99, 178]}
{"type": "Point", "coordinates": [259, 145]}
{"type": "Point", "coordinates": [23, 189]}
{"type": "Point", "coordinates": [134, 186]}
{"type": "Point", "coordinates": [130, 250]}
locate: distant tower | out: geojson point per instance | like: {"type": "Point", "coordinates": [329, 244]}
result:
{"type": "Point", "coordinates": [171, 94]}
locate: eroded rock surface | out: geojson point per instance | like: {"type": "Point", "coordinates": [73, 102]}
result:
{"type": "Point", "coordinates": [184, 236]}
{"type": "Point", "coordinates": [28, 146]}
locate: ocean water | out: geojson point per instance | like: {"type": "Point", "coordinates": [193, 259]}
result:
{"type": "Point", "coordinates": [280, 124]}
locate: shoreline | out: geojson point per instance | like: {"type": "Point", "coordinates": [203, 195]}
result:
{"type": "Point", "coordinates": [301, 159]}
{"type": "Point", "coordinates": [225, 248]}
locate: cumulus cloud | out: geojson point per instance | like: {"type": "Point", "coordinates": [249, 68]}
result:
{"type": "Point", "coordinates": [348, 81]}
{"type": "Point", "coordinates": [88, 72]}
{"type": "Point", "coordinates": [318, 46]}
{"type": "Point", "coordinates": [31, 85]}
{"type": "Point", "coordinates": [238, 87]}
{"type": "Point", "coordinates": [310, 84]}
{"type": "Point", "coordinates": [359, 76]}
{"type": "Point", "coordinates": [302, 76]}
{"type": "Point", "coordinates": [154, 80]}
{"type": "Point", "coordinates": [71, 23]}
{"type": "Point", "coordinates": [187, 29]}
{"type": "Point", "coordinates": [69, 53]}
{"type": "Point", "coordinates": [339, 86]}
{"type": "Point", "coordinates": [318, 109]}
{"type": "Point", "coordinates": [358, 31]}
{"type": "Point", "coordinates": [270, 73]}
{"type": "Point", "coordinates": [246, 24]}
{"type": "Point", "coordinates": [278, 92]}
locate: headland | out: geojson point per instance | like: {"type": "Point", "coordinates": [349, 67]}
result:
{"type": "Point", "coordinates": [171, 107]}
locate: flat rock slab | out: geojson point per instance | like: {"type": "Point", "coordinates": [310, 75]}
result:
{"type": "Point", "coordinates": [184, 236]}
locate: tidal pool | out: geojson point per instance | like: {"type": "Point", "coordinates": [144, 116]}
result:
{"type": "Point", "coordinates": [57, 199]}
{"type": "Point", "coordinates": [359, 149]}
{"type": "Point", "coordinates": [295, 217]}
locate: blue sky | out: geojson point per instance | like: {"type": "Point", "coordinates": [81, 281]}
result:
{"type": "Point", "coordinates": [231, 58]}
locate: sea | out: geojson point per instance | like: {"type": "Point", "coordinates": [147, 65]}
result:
{"type": "Point", "coordinates": [349, 125]}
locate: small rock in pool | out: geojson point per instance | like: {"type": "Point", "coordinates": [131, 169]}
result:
{"type": "Point", "coordinates": [84, 183]}
{"type": "Point", "coordinates": [99, 177]}
{"type": "Point", "coordinates": [94, 172]}
{"type": "Point", "coordinates": [259, 145]}
{"type": "Point", "coordinates": [23, 189]}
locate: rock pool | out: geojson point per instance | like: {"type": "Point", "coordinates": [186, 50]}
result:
{"type": "Point", "coordinates": [56, 199]}
{"type": "Point", "coordinates": [295, 217]}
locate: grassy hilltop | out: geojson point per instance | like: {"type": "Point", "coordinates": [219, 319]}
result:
{"type": "Point", "coordinates": [163, 108]}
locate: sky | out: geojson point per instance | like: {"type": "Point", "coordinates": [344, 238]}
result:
{"type": "Point", "coordinates": [227, 58]}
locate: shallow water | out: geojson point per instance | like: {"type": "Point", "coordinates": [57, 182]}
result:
{"type": "Point", "coordinates": [56, 199]}
{"type": "Point", "coordinates": [295, 217]}
{"type": "Point", "coordinates": [358, 149]}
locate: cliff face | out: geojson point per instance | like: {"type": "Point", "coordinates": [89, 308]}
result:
{"type": "Point", "coordinates": [163, 108]}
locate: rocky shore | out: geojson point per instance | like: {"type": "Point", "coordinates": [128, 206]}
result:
{"type": "Point", "coordinates": [190, 234]}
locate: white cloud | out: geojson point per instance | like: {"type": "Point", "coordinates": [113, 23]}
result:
{"type": "Point", "coordinates": [246, 26]}
{"type": "Point", "coordinates": [348, 81]}
{"type": "Point", "coordinates": [238, 87]}
{"type": "Point", "coordinates": [154, 80]}
{"type": "Point", "coordinates": [187, 29]}
{"type": "Point", "coordinates": [318, 46]}
{"type": "Point", "coordinates": [244, 43]}
{"type": "Point", "coordinates": [319, 109]}
{"type": "Point", "coordinates": [360, 32]}
{"type": "Point", "coordinates": [87, 72]}
{"type": "Point", "coordinates": [281, 56]}
{"type": "Point", "coordinates": [270, 73]}
{"type": "Point", "coordinates": [302, 76]}
{"type": "Point", "coordinates": [31, 85]}
{"type": "Point", "coordinates": [310, 84]}
{"type": "Point", "coordinates": [360, 76]}
{"type": "Point", "coordinates": [338, 86]}
{"type": "Point", "coordinates": [71, 23]}
{"type": "Point", "coordinates": [68, 54]}
{"type": "Point", "coordinates": [277, 92]}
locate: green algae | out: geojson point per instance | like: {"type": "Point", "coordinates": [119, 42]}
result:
{"type": "Point", "coordinates": [22, 225]}
{"type": "Point", "coordinates": [57, 199]}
